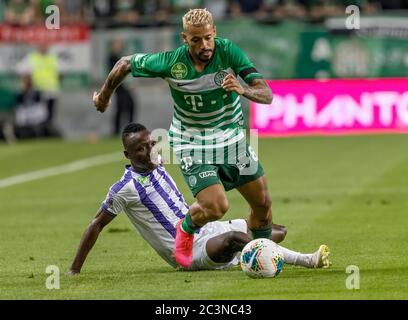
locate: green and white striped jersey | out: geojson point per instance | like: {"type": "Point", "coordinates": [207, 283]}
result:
{"type": "Point", "coordinates": [206, 117]}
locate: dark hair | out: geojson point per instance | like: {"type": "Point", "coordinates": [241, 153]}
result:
{"type": "Point", "coordinates": [131, 128]}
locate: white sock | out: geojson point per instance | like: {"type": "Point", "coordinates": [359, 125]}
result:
{"type": "Point", "coordinates": [296, 258]}
{"type": "Point", "coordinates": [290, 256]}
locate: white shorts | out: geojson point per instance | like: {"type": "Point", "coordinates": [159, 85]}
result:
{"type": "Point", "coordinates": [201, 260]}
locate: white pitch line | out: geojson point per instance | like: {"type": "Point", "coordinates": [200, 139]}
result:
{"type": "Point", "coordinates": [66, 168]}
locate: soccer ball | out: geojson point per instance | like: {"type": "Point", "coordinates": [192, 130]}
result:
{"type": "Point", "coordinates": [261, 258]}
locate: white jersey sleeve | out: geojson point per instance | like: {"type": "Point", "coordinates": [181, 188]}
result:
{"type": "Point", "coordinates": [120, 196]}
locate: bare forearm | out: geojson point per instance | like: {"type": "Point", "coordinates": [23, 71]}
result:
{"type": "Point", "coordinates": [87, 242]}
{"type": "Point", "coordinates": [257, 90]}
{"type": "Point", "coordinates": [115, 77]}
{"type": "Point", "coordinates": [260, 94]}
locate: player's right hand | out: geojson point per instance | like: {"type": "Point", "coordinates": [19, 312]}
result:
{"type": "Point", "coordinates": [101, 105]}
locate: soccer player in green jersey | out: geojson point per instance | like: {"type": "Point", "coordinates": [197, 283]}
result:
{"type": "Point", "coordinates": [207, 122]}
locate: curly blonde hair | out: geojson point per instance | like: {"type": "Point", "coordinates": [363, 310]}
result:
{"type": "Point", "coordinates": [197, 17]}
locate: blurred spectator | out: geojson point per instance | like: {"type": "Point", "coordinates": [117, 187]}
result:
{"type": "Point", "coordinates": [126, 11]}
{"type": "Point", "coordinates": [31, 112]}
{"type": "Point", "coordinates": [1, 11]}
{"type": "Point", "coordinates": [218, 8]}
{"type": "Point", "coordinates": [73, 11]}
{"type": "Point", "coordinates": [40, 7]}
{"type": "Point", "coordinates": [124, 103]}
{"type": "Point", "coordinates": [19, 12]}
{"type": "Point", "coordinates": [43, 66]}
{"type": "Point", "coordinates": [155, 11]}
{"type": "Point", "coordinates": [289, 8]}
{"type": "Point", "coordinates": [366, 6]}
{"type": "Point", "coordinates": [115, 13]}
{"type": "Point", "coordinates": [102, 8]}
{"type": "Point", "coordinates": [320, 9]}
{"type": "Point", "coordinates": [103, 11]}
{"type": "Point", "coordinates": [393, 4]}
{"type": "Point", "coordinates": [372, 6]}
{"type": "Point", "coordinates": [7, 106]}
{"type": "Point", "coordinates": [245, 7]}
{"type": "Point", "coordinates": [179, 7]}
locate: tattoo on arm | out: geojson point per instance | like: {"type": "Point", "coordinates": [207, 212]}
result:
{"type": "Point", "coordinates": [258, 91]}
{"type": "Point", "coordinates": [115, 77]}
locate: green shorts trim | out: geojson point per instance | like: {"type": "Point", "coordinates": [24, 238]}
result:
{"type": "Point", "coordinates": [199, 176]}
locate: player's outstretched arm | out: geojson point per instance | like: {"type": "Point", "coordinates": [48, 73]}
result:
{"type": "Point", "coordinates": [257, 90]}
{"type": "Point", "coordinates": [118, 73]}
{"type": "Point", "coordinates": [88, 240]}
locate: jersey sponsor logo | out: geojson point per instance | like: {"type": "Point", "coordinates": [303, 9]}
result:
{"type": "Point", "coordinates": [194, 100]}
{"type": "Point", "coordinates": [192, 181]}
{"type": "Point", "coordinates": [179, 70]}
{"type": "Point", "coordinates": [219, 77]}
{"type": "Point", "coordinates": [206, 174]}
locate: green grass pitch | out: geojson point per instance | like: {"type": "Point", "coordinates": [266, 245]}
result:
{"type": "Point", "coordinates": [350, 193]}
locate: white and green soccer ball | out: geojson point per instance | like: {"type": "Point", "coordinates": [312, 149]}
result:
{"type": "Point", "coordinates": [262, 258]}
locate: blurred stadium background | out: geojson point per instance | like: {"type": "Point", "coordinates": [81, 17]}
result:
{"type": "Point", "coordinates": [286, 39]}
{"type": "Point", "coordinates": [348, 191]}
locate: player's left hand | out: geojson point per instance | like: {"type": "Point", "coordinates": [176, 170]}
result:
{"type": "Point", "coordinates": [231, 83]}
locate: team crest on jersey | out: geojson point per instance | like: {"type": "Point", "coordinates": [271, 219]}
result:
{"type": "Point", "coordinates": [179, 70]}
{"type": "Point", "coordinates": [219, 77]}
{"type": "Point", "coordinates": [192, 181]}
{"type": "Point", "coordinates": [144, 181]}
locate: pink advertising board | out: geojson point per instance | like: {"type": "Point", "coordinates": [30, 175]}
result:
{"type": "Point", "coordinates": [310, 107]}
